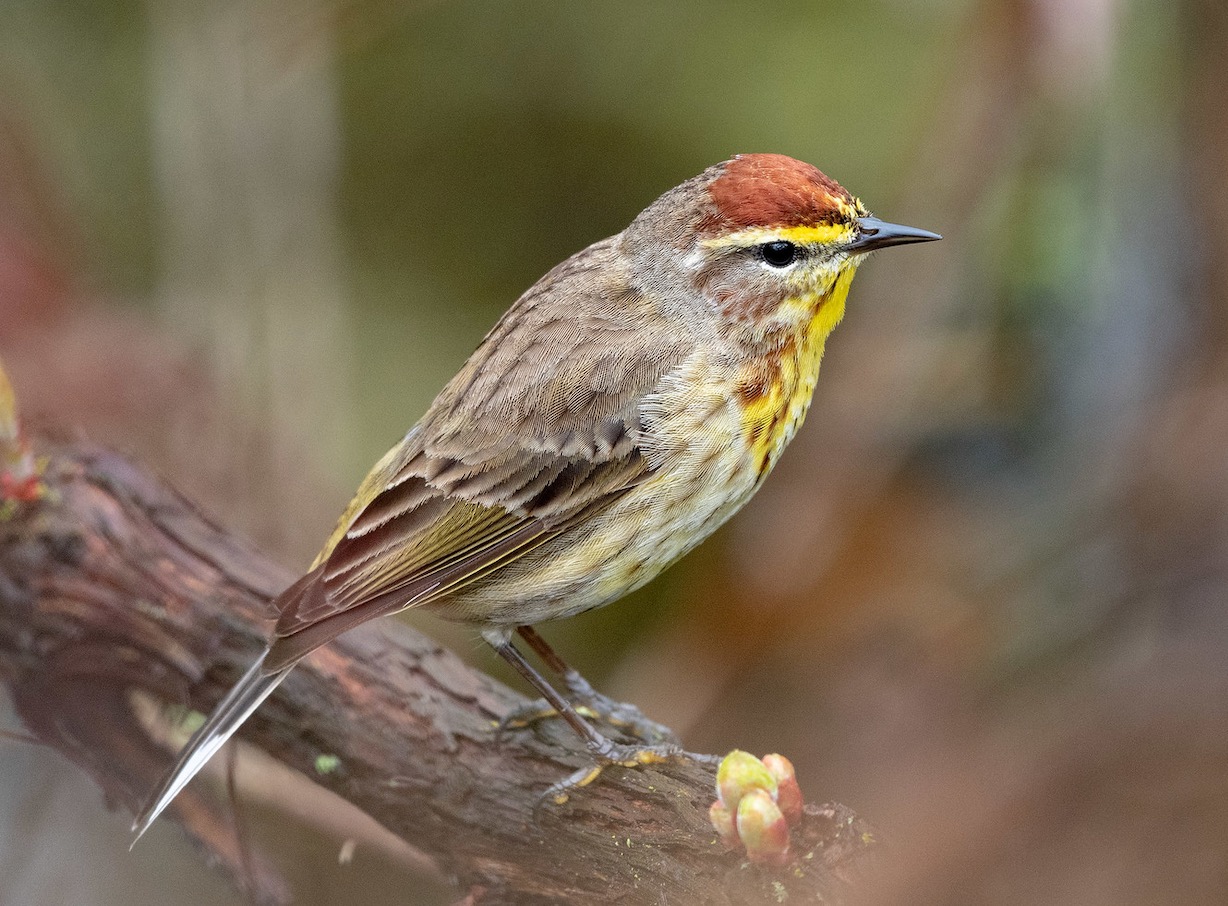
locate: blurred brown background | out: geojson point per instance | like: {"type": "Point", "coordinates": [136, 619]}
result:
{"type": "Point", "coordinates": [982, 600]}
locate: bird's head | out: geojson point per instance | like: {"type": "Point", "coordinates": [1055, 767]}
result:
{"type": "Point", "coordinates": [762, 238]}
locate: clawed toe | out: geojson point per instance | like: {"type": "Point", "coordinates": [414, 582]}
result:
{"type": "Point", "coordinates": [617, 755]}
{"type": "Point", "coordinates": [525, 716]}
{"type": "Point", "coordinates": [626, 719]}
{"type": "Point", "coordinates": [631, 720]}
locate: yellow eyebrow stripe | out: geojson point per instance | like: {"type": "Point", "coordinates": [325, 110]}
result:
{"type": "Point", "coordinates": [820, 234]}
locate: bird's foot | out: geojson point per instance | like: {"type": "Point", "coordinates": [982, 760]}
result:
{"type": "Point", "coordinates": [530, 713]}
{"type": "Point", "coordinates": [589, 703]}
{"type": "Point", "coordinates": [618, 755]}
{"type": "Point", "coordinates": [626, 718]}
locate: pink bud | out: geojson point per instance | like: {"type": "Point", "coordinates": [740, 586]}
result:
{"type": "Point", "coordinates": [762, 828]}
{"type": "Point", "coordinates": [788, 793]}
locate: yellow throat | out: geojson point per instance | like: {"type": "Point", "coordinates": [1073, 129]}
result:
{"type": "Point", "coordinates": [775, 391]}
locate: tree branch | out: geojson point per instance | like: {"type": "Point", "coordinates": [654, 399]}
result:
{"type": "Point", "coordinates": [115, 588]}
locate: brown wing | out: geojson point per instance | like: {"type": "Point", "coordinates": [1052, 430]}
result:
{"type": "Point", "coordinates": [540, 426]}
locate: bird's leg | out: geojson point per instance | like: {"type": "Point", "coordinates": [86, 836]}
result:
{"type": "Point", "coordinates": [556, 703]}
{"type": "Point", "coordinates": [591, 703]}
{"type": "Point", "coordinates": [587, 701]}
{"type": "Point", "coordinates": [605, 751]}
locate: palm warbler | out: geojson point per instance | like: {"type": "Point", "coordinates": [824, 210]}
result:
{"type": "Point", "coordinates": [624, 407]}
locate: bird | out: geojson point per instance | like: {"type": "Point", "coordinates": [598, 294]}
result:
{"type": "Point", "coordinates": [624, 407]}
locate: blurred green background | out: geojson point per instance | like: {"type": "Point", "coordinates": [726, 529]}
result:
{"type": "Point", "coordinates": [981, 601]}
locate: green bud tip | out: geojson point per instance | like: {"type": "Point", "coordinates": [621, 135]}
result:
{"type": "Point", "coordinates": [739, 773]}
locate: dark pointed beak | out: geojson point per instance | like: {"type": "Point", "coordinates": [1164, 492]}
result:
{"type": "Point", "coordinates": [873, 233]}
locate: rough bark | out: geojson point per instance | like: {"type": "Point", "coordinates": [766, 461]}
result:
{"type": "Point", "coordinates": [114, 587]}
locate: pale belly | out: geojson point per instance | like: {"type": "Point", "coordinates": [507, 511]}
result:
{"type": "Point", "coordinates": [619, 550]}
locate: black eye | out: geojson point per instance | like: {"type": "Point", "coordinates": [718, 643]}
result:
{"type": "Point", "coordinates": [779, 253]}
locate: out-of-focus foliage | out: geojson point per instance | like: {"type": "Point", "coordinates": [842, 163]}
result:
{"type": "Point", "coordinates": [982, 600]}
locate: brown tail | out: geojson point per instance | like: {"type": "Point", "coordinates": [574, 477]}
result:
{"type": "Point", "coordinates": [244, 698]}
{"type": "Point", "coordinates": [228, 716]}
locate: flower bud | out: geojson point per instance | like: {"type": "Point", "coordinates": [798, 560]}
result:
{"type": "Point", "coordinates": [739, 773]}
{"type": "Point", "coordinates": [788, 793]}
{"type": "Point", "coordinates": [762, 828]}
{"type": "Point", "coordinates": [10, 433]}
{"type": "Point", "coordinates": [722, 820]}
{"type": "Point", "coordinates": [19, 480]}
